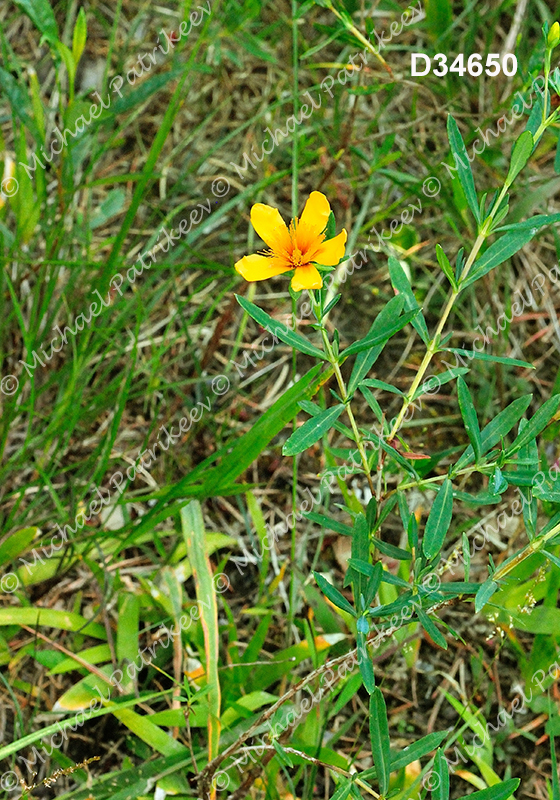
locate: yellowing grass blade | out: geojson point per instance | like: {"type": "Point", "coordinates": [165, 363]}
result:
{"type": "Point", "coordinates": [195, 539]}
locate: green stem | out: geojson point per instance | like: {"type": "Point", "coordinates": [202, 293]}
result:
{"type": "Point", "coordinates": [344, 395]}
{"type": "Point", "coordinates": [432, 347]}
{"type": "Point", "coordinates": [528, 550]}
{"type": "Point", "coordinates": [295, 159]}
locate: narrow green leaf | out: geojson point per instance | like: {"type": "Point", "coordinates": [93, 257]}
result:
{"type": "Point", "coordinates": [446, 266]}
{"type": "Point", "coordinates": [366, 359]}
{"type": "Point", "coordinates": [401, 284]}
{"type": "Point", "coordinates": [536, 424]}
{"type": "Point", "coordinates": [435, 382]}
{"type": "Point", "coordinates": [345, 785]}
{"type": "Point", "coordinates": [533, 223]}
{"type": "Point", "coordinates": [463, 166]}
{"type": "Point", "coordinates": [498, 252]}
{"type": "Point", "coordinates": [391, 550]}
{"type": "Point", "coordinates": [501, 791]}
{"type": "Point", "coordinates": [484, 594]}
{"type": "Point", "coordinates": [364, 662]}
{"type": "Point", "coordinates": [79, 36]}
{"type": "Point", "coordinates": [381, 336]}
{"type": "Point", "coordinates": [554, 765]}
{"type": "Point", "coordinates": [333, 594]}
{"type": "Point", "coordinates": [380, 741]}
{"type": "Point", "coordinates": [511, 362]}
{"type": "Point", "coordinates": [331, 524]}
{"type": "Point", "coordinates": [411, 753]}
{"type": "Point", "coordinates": [552, 558]}
{"type": "Point", "coordinates": [441, 769]}
{"type": "Point", "coordinates": [377, 384]}
{"type": "Point", "coordinates": [522, 150]}
{"type": "Point", "coordinates": [494, 432]}
{"type": "Point", "coordinates": [439, 520]}
{"type": "Point", "coordinates": [431, 628]}
{"type": "Point", "coordinates": [312, 430]}
{"type": "Point", "coordinates": [280, 330]}
{"type": "Point", "coordinates": [470, 419]}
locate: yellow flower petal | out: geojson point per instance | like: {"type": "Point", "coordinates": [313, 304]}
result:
{"type": "Point", "coordinates": [307, 277]}
{"type": "Point", "coordinates": [316, 213]}
{"type": "Point", "coordinates": [271, 228]}
{"type": "Point", "coordinates": [330, 252]}
{"type": "Point", "coordinates": [259, 268]}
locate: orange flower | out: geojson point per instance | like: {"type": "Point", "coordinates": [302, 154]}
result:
{"type": "Point", "coordinates": [298, 247]}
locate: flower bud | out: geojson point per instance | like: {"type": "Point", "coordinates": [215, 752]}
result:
{"type": "Point", "coordinates": [553, 36]}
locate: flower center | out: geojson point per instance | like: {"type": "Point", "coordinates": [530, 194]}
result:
{"type": "Point", "coordinates": [297, 257]}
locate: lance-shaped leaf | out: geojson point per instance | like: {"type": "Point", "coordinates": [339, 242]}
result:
{"type": "Point", "coordinates": [431, 628]}
{"type": "Point", "coordinates": [484, 594]}
{"type": "Point", "coordinates": [536, 424]}
{"type": "Point", "coordinates": [441, 769]}
{"type": "Point", "coordinates": [439, 520]}
{"type": "Point", "coordinates": [446, 266]}
{"type": "Point", "coordinates": [380, 336]}
{"type": "Point", "coordinates": [410, 753]}
{"type": "Point", "coordinates": [501, 791]}
{"type": "Point", "coordinates": [511, 362]}
{"type": "Point", "coordinates": [367, 358]}
{"type": "Point", "coordinates": [493, 433]}
{"type": "Point", "coordinates": [533, 223]}
{"type": "Point", "coordinates": [522, 150]}
{"type": "Point", "coordinates": [462, 166]}
{"type": "Point", "coordinates": [333, 594]}
{"type": "Point", "coordinates": [280, 330]}
{"type": "Point", "coordinates": [380, 741]}
{"type": "Point", "coordinates": [401, 284]}
{"type": "Point", "coordinates": [312, 430]}
{"type": "Point", "coordinates": [468, 412]}
{"type": "Point", "coordinates": [498, 252]}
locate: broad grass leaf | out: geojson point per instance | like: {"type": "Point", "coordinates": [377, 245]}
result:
{"type": "Point", "coordinates": [439, 520]}
{"type": "Point", "coordinates": [194, 534]}
{"type": "Point", "coordinates": [51, 618]}
{"type": "Point", "coordinates": [42, 16]}
{"type": "Point", "coordinates": [16, 544]}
